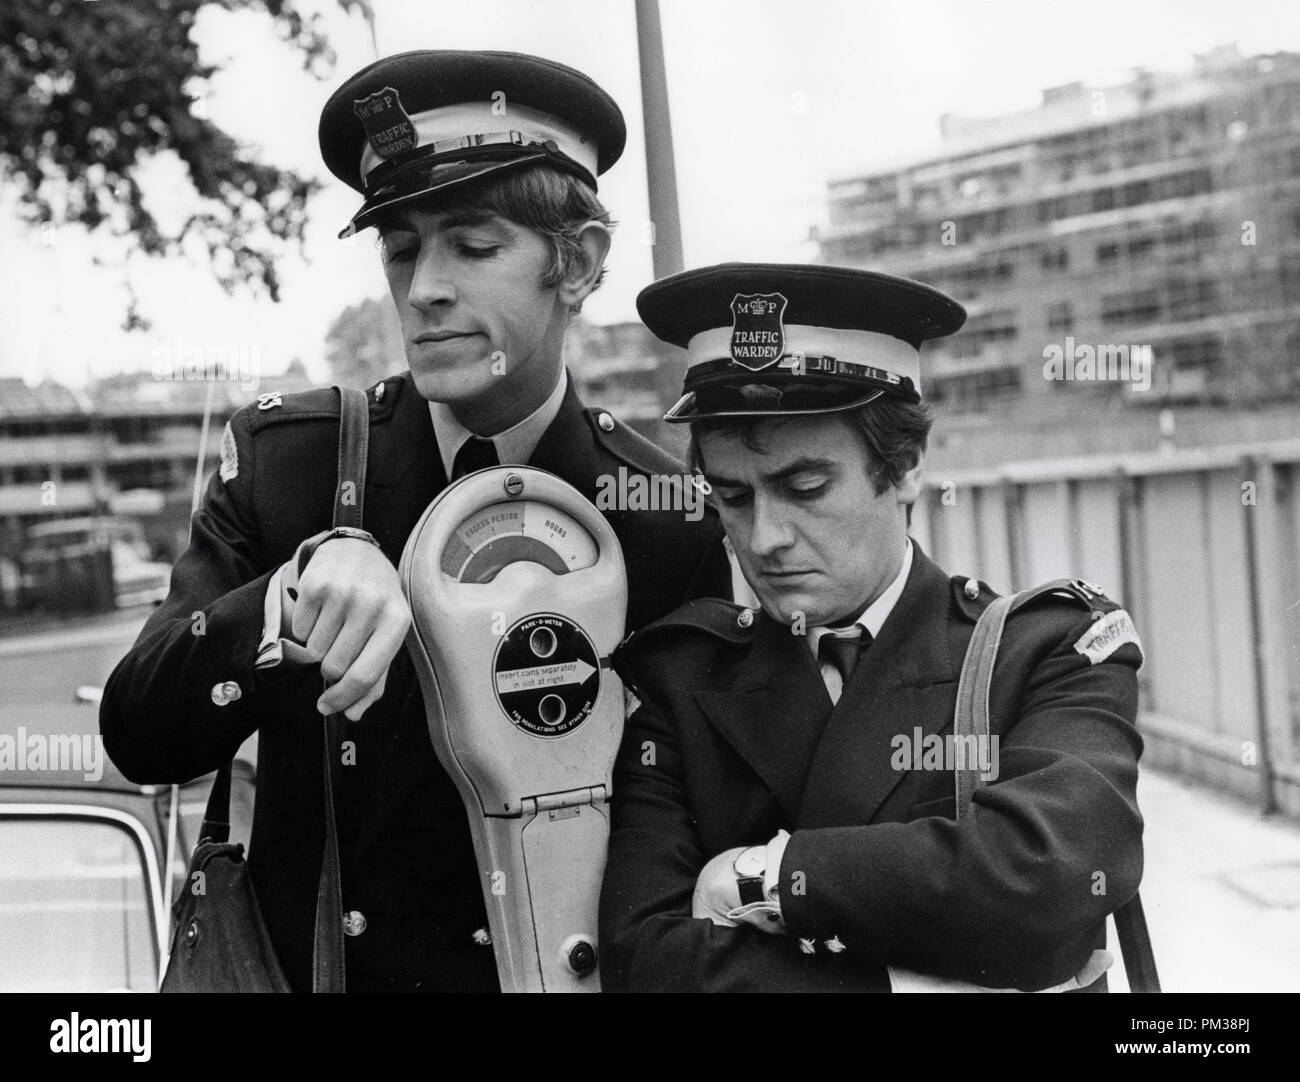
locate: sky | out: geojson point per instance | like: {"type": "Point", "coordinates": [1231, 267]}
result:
{"type": "Point", "coordinates": [769, 100]}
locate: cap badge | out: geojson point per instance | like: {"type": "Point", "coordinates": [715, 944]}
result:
{"type": "Point", "coordinates": [388, 127]}
{"type": "Point", "coordinates": [757, 331]}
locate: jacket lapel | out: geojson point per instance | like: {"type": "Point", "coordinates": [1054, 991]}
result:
{"type": "Point", "coordinates": [773, 712]}
{"type": "Point", "coordinates": [903, 684]}
{"type": "Point", "coordinates": [403, 475]}
{"type": "Point", "coordinates": [567, 449]}
{"type": "Point", "coordinates": [404, 470]}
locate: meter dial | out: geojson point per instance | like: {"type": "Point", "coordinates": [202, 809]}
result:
{"type": "Point", "coordinates": [514, 530]}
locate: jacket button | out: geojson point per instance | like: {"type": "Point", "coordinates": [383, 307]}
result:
{"type": "Point", "coordinates": [745, 618]}
{"type": "Point", "coordinates": [606, 422]}
{"type": "Point", "coordinates": [226, 692]}
{"type": "Point", "coordinates": [482, 937]}
{"type": "Point", "coordinates": [971, 589]}
{"type": "Point", "coordinates": [354, 922]}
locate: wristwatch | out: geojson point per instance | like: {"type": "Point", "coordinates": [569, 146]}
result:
{"type": "Point", "coordinates": [750, 865]}
{"type": "Point", "coordinates": [308, 548]}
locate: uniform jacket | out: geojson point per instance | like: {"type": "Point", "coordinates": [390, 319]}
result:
{"type": "Point", "coordinates": [407, 860]}
{"type": "Point", "coordinates": [735, 738]}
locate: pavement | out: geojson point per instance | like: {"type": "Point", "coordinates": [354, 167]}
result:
{"type": "Point", "coordinates": [1221, 890]}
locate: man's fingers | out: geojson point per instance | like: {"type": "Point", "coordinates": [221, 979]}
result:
{"type": "Point", "coordinates": [368, 666]}
{"type": "Point", "coordinates": [325, 632]}
{"type": "Point", "coordinates": [358, 708]}
{"type": "Point", "coordinates": [305, 611]}
{"type": "Point", "coordinates": [338, 668]}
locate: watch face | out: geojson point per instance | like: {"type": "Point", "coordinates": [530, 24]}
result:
{"type": "Point", "coordinates": [752, 862]}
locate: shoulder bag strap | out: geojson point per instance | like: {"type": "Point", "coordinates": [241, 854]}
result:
{"type": "Point", "coordinates": [972, 719]}
{"type": "Point", "coordinates": [328, 968]}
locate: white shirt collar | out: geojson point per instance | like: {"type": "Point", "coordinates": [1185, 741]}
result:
{"type": "Point", "coordinates": [514, 446]}
{"type": "Point", "coordinates": [878, 611]}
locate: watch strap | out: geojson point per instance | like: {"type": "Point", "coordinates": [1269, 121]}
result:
{"type": "Point", "coordinates": [750, 889]}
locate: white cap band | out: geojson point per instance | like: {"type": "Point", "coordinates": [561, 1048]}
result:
{"type": "Point", "coordinates": [454, 122]}
{"type": "Point", "coordinates": [865, 347]}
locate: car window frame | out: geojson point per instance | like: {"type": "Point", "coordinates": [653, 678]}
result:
{"type": "Point", "coordinates": [144, 843]}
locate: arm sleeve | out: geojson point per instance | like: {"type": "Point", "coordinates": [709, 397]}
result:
{"type": "Point", "coordinates": [1013, 895]}
{"type": "Point", "coordinates": [648, 939]}
{"type": "Point", "coordinates": [162, 717]}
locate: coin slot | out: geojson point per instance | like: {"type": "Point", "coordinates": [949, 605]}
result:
{"type": "Point", "coordinates": [551, 710]}
{"type": "Point", "coordinates": [542, 642]}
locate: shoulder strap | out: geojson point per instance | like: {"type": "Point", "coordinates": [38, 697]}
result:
{"type": "Point", "coordinates": [971, 718]}
{"type": "Point", "coordinates": [972, 715]}
{"type": "Point", "coordinates": [328, 967]}
{"type": "Point", "coordinates": [354, 442]}
{"type": "Point", "coordinates": [216, 816]}
{"type": "Point", "coordinates": [328, 974]}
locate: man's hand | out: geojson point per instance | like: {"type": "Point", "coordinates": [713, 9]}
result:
{"type": "Point", "coordinates": [350, 614]}
{"type": "Point", "coordinates": [717, 898]}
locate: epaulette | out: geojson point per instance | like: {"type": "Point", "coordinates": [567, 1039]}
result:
{"type": "Point", "coordinates": [1110, 628]}
{"type": "Point", "coordinates": [630, 446]}
{"type": "Point", "coordinates": [319, 403]}
{"type": "Point", "coordinates": [973, 596]}
{"type": "Point", "coordinates": [713, 616]}
{"type": "Point", "coordinates": [1084, 593]}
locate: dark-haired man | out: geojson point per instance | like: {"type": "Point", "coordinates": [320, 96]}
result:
{"type": "Point", "coordinates": [780, 821]}
{"type": "Point", "coordinates": [479, 171]}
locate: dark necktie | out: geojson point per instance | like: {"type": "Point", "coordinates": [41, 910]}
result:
{"type": "Point", "coordinates": [476, 453]}
{"type": "Point", "coordinates": [840, 649]}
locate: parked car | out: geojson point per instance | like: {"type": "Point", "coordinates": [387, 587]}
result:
{"type": "Point", "coordinates": [83, 858]}
{"type": "Point", "coordinates": [71, 555]}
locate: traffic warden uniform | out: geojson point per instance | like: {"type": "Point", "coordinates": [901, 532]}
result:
{"type": "Point", "coordinates": [180, 703]}
{"type": "Point", "coordinates": [734, 737]}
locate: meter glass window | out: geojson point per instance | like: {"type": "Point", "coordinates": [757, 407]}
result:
{"type": "Point", "coordinates": [513, 531]}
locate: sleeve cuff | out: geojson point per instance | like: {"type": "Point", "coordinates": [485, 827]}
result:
{"type": "Point", "coordinates": [276, 646]}
{"type": "Point", "coordinates": [772, 868]}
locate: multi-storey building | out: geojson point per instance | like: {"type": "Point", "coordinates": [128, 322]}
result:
{"type": "Point", "coordinates": [1161, 214]}
{"type": "Point", "coordinates": [126, 447]}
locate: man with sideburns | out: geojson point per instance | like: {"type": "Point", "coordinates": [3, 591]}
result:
{"type": "Point", "coordinates": [478, 171]}
{"type": "Point", "coordinates": [773, 826]}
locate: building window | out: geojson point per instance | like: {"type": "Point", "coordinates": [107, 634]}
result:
{"type": "Point", "coordinates": [970, 391]}
{"type": "Point", "coordinates": [1060, 316]}
{"type": "Point", "coordinates": [1055, 259]}
{"type": "Point", "coordinates": [1140, 307]}
{"type": "Point", "coordinates": [1137, 192]}
{"type": "Point", "coordinates": [1192, 300]}
{"type": "Point", "coordinates": [1289, 269]}
{"type": "Point", "coordinates": [1195, 353]}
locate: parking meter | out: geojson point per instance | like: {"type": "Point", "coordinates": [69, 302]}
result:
{"type": "Point", "coordinates": [518, 596]}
